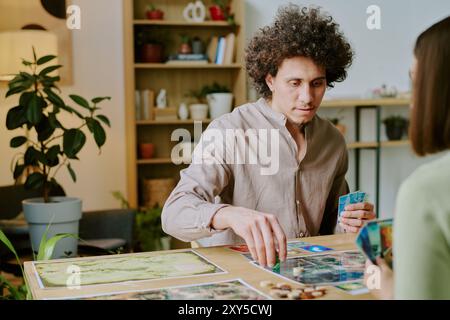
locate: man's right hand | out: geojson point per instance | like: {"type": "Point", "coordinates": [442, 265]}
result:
{"type": "Point", "coordinates": [261, 232]}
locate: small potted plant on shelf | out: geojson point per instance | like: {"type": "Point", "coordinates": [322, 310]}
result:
{"type": "Point", "coordinates": [185, 47]}
{"type": "Point", "coordinates": [150, 49]}
{"type": "Point", "coordinates": [50, 146]}
{"type": "Point", "coordinates": [220, 11]}
{"type": "Point", "coordinates": [153, 13]}
{"type": "Point", "coordinates": [220, 99]}
{"type": "Point", "coordinates": [395, 127]}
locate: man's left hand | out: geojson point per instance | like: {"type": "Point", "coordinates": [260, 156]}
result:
{"type": "Point", "coordinates": [356, 215]}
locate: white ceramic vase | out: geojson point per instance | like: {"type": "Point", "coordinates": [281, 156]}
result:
{"type": "Point", "coordinates": [199, 111]}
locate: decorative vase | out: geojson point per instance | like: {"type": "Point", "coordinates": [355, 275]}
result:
{"type": "Point", "coordinates": [152, 53]}
{"type": "Point", "coordinates": [61, 215]}
{"type": "Point", "coordinates": [219, 104]}
{"type": "Point", "coordinates": [146, 150]}
{"type": "Point", "coordinates": [197, 46]}
{"type": "Point", "coordinates": [199, 111]}
{"type": "Point", "coordinates": [183, 111]}
{"type": "Point", "coordinates": [155, 14]}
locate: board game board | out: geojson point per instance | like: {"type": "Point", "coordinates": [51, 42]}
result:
{"type": "Point", "coordinates": [320, 269]}
{"type": "Point", "coordinates": [122, 268]}
{"type": "Point", "coordinates": [235, 289]}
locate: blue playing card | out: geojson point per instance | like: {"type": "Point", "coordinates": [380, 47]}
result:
{"type": "Point", "coordinates": [316, 248]}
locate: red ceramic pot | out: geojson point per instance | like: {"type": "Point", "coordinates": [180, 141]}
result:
{"type": "Point", "coordinates": [152, 53]}
{"type": "Point", "coordinates": [146, 150]}
{"type": "Point", "coordinates": [155, 14]}
{"type": "Point", "coordinates": [217, 14]}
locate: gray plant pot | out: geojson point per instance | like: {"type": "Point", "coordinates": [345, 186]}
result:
{"type": "Point", "coordinates": [62, 213]}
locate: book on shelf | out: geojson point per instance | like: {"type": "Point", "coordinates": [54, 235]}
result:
{"type": "Point", "coordinates": [187, 59]}
{"type": "Point", "coordinates": [212, 49]}
{"type": "Point", "coordinates": [230, 40]}
{"type": "Point", "coordinates": [222, 49]}
{"type": "Point", "coordinates": [186, 62]}
{"type": "Point", "coordinates": [144, 110]}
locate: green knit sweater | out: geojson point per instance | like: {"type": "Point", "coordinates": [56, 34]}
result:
{"type": "Point", "coordinates": [422, 233]}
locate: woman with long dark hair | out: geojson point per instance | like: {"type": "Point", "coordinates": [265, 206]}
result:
{"type": "Point", "coordinates": [421, 241]}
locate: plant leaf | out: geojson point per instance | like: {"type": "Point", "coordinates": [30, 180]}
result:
{"type": "Point", "coordinates": [100, 99]}
{"type": "Point", "coordinates": [15, 90]}
{"type": "Point", "coordinates": [18, 170]}
{"type": "Point", "coordinates": [45, 59]}
{"type": "Point", "coordinates": [104, 119]}
{"type": "Point", "coordinates": [49, 69]}
{"type": "Point", "coordinates": [35, 181]}
{"type": "Point", "coordinates": [44, 129]}
{"type": "Point", "coordinates": [17, 141]}
{"type": "Point", "coordinates": [46, 248]}
{"type": "Point", "coordinates": [15, 118]}
{"type": "Point", "coordinates": [98, 131]}
{"type": "Point", "coordinates": [52, 155]}
{"type": "Point", "coordinates": [34, 109]}
{"type": "Point", "coordinates": [54, 98]}
{"type": "Point", "coordinates": [31, 156]}
{"type": "Point", "coordinates": [73, 142]}
{"type": "Point", "coordinates": [80, 101]}
{"type": "Point", "coordinates": [72, 110]}
{"type": "Point", "coordinates": [72, 173]}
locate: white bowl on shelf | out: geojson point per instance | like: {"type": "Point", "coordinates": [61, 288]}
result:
{"type": "Point", "coordinates": [199, 111]}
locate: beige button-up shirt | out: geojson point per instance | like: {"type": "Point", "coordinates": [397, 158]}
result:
{"type": "Point", "coordinates": [304, 196]}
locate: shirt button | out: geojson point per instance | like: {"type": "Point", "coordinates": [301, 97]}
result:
{"type": "Point", "coordinates": [298, 202]}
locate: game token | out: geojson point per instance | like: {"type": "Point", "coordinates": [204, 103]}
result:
{"type": "Point", "coordinates": [267, 284]}
{"type": "Point", "coordinates": [317, 294]}
{"type": "Point", "coordinates": [297, 271]}
{"type": "Point", "coordinates": [294, 295]}
{"type": "Point", "coordinates": [306, 296]}
{"type": "Point", "coordinates": [321, 288]}
{"type": "Point", "coordinates": [277, 293]}
{"type": "Point", "coordinates": [284, 286]}
{"type": "Point", "coordinates": [309, 290]}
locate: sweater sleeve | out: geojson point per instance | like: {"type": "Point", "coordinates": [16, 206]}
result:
{"type": "Point", "coordinates": [421, 252]}
{"type": "Point", "coordinates": [190, 208]}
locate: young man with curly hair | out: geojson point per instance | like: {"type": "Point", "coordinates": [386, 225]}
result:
{"type": "Point", "coordinates": [291, 62]}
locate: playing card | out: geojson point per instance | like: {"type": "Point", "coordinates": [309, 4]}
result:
{"type": "Point", "coordinates": [363, 242]}
{"type": "Point", "coordinates": [386, 239]}
{"type": "Point", "coordinates": [373, 229]}
{"type": "Point", "coordinates": [316, 248]}
{"type": "Point", "coordinates": [351, 198]}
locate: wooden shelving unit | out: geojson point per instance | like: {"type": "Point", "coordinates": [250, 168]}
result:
{"type": "Point", "coordinates": [358, 146]}
{"type": "Point", "coordinates": [177, 79]}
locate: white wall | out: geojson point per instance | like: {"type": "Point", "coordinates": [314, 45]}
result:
{"type": "Point", "coordinates": [98, 71]}
{"type": "Point", "coordinates": [382, 56]}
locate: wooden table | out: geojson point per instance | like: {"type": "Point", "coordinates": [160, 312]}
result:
{"type": "Point", "coordinates": [233, 262]}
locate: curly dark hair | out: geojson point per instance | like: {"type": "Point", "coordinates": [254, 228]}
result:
{"type": "Point", "coordinates": [298, 31]}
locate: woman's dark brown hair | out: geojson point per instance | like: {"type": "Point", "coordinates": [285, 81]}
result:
{"type": "Point", "coordinates": [298, 31]}
{"type": "Point", "coordinates": [430, 115]}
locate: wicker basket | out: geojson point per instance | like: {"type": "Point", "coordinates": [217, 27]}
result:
{"type": "Point", "coordinates": [156, 191]}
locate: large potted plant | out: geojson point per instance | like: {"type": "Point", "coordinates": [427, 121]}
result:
{"type": "Point", "coordinates": [50, 145]}
{"type": "Point", "coordinates": [220, 99]}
